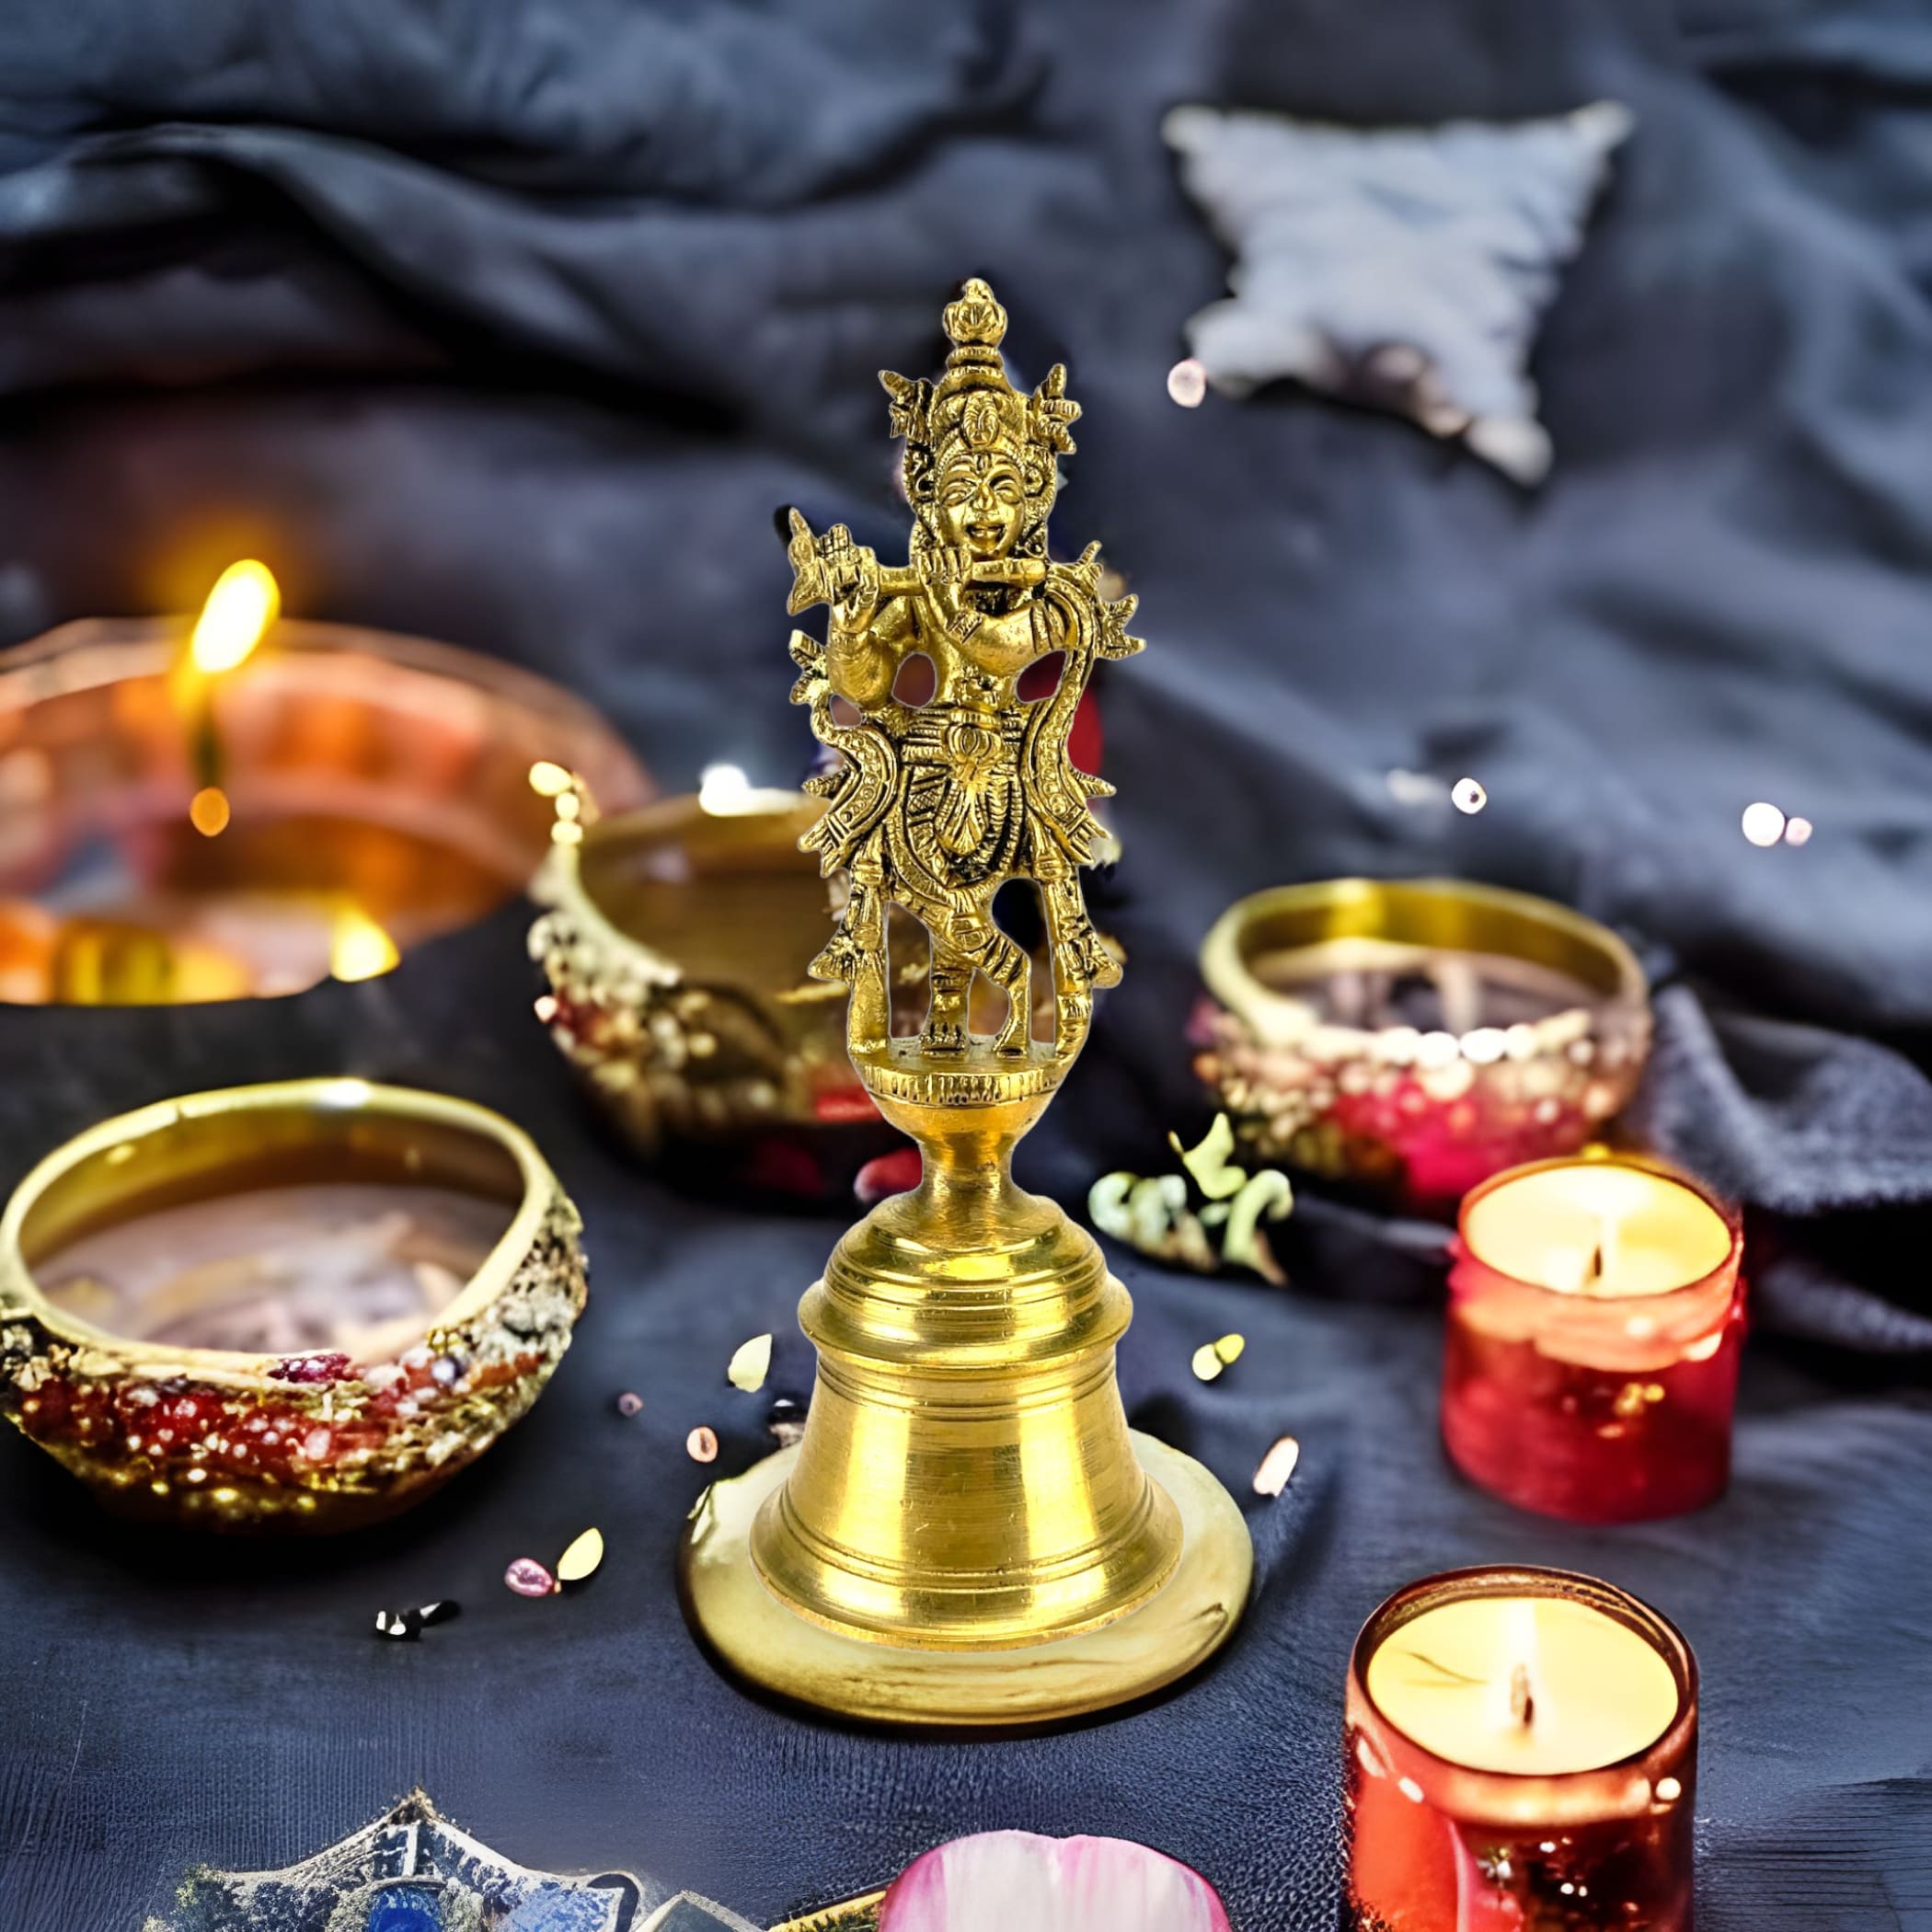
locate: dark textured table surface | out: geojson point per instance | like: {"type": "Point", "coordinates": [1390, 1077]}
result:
{"type": "Point", "coordinates": [512, 326]}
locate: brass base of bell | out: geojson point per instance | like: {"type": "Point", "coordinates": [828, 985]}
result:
{"type": "Point", "coordinates": [967, 1486]}
{"type": "Point", "coordinates": [764, 1643]}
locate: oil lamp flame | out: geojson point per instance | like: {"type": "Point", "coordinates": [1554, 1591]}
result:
{"type": "Point", "coordinates": [244, 603]}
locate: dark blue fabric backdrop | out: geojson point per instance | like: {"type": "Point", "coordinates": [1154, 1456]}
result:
{"type": "Point", "coordinates": [511, 324]}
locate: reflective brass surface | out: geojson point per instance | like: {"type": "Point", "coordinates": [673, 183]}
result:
{"type": "Point", "coordinates": [965, 1480]}
{"type": "Point", "coordinates": [1178, 1629]}
{"type": "Point", "coordinates": [967, 1492]}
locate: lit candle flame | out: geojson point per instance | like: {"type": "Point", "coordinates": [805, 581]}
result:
{"type": "Point", "coordinates": [357, 947]}
{"type": "Point", "coordinates": [244, 603]}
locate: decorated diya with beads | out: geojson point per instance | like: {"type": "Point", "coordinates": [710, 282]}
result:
{"type": "Point", "coordinates": [1417, 1036]}
{"type": "Point", "coordinates": [300, 1305]}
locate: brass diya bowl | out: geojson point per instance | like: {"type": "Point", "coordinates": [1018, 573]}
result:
{"type": "Point", "coordinates": [373, 788]}
{"type": "Point", "coordinates": [300, 1305]}
{"type": "Point", "coordinates": [675, 941]}
{"type": "Point", "coordinates": [1417, 1035]}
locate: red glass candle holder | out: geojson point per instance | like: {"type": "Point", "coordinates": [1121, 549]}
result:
{"type": "Point", "coordinates": [1435, 1845]}
{"type": "Point", "coordinates": [1577, 1400]}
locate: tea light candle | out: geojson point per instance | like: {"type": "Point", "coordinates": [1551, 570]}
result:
{"type": "Point", "coordinates": [1522, 1753]}
{"type": "Point", "coordinates": [1595, 1321]}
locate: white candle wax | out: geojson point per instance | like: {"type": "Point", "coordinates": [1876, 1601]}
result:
{"type": "Point", "coordinates": [1537, 1685]}
{"type": "Point", "coordinates": [1597, 1228]}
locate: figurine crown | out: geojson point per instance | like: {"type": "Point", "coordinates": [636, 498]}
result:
{"type": "Point", "coordinates": [975, 320]}
{"type": "Point", "coordinates": [976, 404]}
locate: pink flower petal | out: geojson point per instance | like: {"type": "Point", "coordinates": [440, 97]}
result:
{"type": "Point", "coordinates": [1002, 1882]}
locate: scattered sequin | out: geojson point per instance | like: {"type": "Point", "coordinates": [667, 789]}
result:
{"type": "Point", "coordinates": [1187, 383]}
{"type": "Point", "coordinates": [701, 1444]}
{"type": "Point", "coordinates": [1276, 1466]}
{"type": "Point", "coordinates": [1469, 794]}
{"type": "Point", "coordinates": [787, 1421]}
{"type": "Point", "coordinates": [581, 1561]}
{"type": "Point", "coordinates": [1229, 1348]}
{"type": "Point", "coordinates": [629, 1403]}
{"type": "Point", "coordinates": [527, 1577]}
{"type": "Point", "coordinates": [751, 1362]}
{"type": "Point", "coordinates": [1207, 1364]}
{"type": "Point", "coordinates": [1798, 831]}
{"type": "Point", "coordinates": [1764, 823]}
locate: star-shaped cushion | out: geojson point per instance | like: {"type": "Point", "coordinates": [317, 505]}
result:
{"type": "Point", "coordinates": [1406, 268]}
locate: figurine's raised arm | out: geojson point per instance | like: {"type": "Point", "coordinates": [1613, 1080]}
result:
{"type": "Point", "coordinates": [870, 628]}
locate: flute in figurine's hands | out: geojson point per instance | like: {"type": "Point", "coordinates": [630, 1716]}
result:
{"type": "Point", "coordinates": [832, 569]}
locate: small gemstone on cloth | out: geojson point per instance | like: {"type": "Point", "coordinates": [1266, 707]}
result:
{"type": "Point", "coordinates": [411, 1911]}
{"type": "Point", "coordinates": [527, 1577]}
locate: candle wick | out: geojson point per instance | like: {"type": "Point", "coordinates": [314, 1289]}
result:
{"type": "Point", "coordinates": [1593, 1273]}
{"type": "Point", "coordinates": [1523, 1706]}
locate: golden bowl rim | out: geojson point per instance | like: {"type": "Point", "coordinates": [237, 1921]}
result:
{"type": "Point", "coordinates": [333, 1094]}
{"type": "Point", "coordinates": [1494, 912]}
{"type": "Point", "coordinates": [561, 886]}
{"type": "Point", "coordinates": [110, 650]}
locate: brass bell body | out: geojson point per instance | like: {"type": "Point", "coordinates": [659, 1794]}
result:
{"type": "Point", "coordinates": [966, 1478]}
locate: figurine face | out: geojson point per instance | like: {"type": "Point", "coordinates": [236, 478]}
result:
{"type": "Point", "coordinates": [981, 503]}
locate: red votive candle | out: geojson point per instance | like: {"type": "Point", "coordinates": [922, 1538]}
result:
{"type": "Point", "coordinates": [1595, 1319]}
{"type": "Point", "coordinates": [1521, 1757]}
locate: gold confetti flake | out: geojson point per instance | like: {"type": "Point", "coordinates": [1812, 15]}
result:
{"type": "Point", "coordinates": [701, 1444]}
{"type": "Point", "coordinates": [1276, 1466]}
{"type": "Point", "coordinates": [581, 1561]}
{"type": "Point", "coordinates": [1229, 1349]}
{"type": "Point", "coordinates": [751, 1362]}
{"type": "Point", "coordinates": [1207, 1362]}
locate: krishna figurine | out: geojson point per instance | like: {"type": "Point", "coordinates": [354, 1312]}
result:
{"type": "Point", "coordinates": [968, 1532]}
{"type": "Point", "coordinates": [937, 806]}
